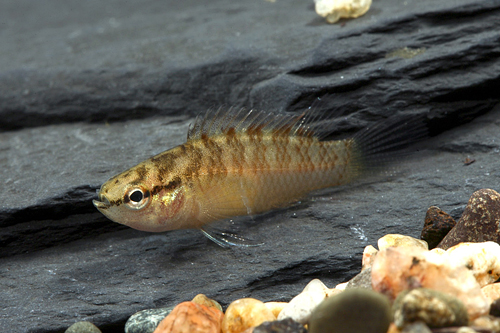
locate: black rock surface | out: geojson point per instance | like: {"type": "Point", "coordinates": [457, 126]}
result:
{"type": "Point", "coordinates": [88, 89]}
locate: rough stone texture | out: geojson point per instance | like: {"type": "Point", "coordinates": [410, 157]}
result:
{"type": "Point", "coordinates": [435, 309]}
{"type": "Point", "coordinates": [437, 224]}
{"type": "Point", "coordinates": [88, 89]}
{"type": "Point", "coordinates": [146, 321]}
{"type": "Point", "coordinates": [480, 221]}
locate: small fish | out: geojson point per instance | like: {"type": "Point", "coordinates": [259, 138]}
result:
{"type": "Point", "coordinates": [238, 162]}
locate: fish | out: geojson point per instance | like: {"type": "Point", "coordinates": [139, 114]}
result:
{"type": "Point", "coordinates": [238, 162]}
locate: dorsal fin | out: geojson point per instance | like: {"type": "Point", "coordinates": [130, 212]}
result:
{"type": "Point", "coordinates": [231, 121]}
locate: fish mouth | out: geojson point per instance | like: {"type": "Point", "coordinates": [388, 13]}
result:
{"type": "Point", "coordinates": [102, 203]}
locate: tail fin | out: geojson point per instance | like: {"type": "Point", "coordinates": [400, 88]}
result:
{"type": "Point", "coordinates": [386, 141]}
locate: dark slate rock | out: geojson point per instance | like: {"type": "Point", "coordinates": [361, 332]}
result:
{"type": "Point", "coordinates": [354, 310]}
{"type": "Point", "coordinates": [280, 326]}
{"type": "Point", "coordinates": [88, 89]}
{"type": "Point", "coordinates": [437, 224]}
{"type": "Point", "coordinates": [146, 321]}
{"type": "Point", "coordinates": [480, 221]}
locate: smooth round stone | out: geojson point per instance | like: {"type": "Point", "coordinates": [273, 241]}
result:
{"type": "Point", "coordinates": [245, 313]}
{"type": "Point", "coordinates": [146, 321]}
{"type": "Point", "coordinates": [436, 226]}
{"type": "Point", "coordinates": [397, 240]}
{"type": "Point", "coordinates": [280, 326]}
{"type": "Point", "coordinates": [83, 327]}
{"type": "Point", "coordinates": [433, 308]}
{"type": "Point", "coordinates": [352, 311]}
{"type": "Point", "coordinates": [302, 305]}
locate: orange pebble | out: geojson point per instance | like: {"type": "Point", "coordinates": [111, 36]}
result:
{"type": "Point", "coordinates": [189, 317]}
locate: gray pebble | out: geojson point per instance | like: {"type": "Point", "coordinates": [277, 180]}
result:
{"type": "Point", "coordinates": [83, 327]}
{"type": "Point", "coordinates": [146, 321]}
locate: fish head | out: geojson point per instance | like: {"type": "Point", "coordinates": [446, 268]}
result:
{"type": "Point", "coordinates": [135, 198]}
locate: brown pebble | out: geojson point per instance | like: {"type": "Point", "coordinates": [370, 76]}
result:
{"type": "Point", "coordinates": [480, 221]}
{"type": "Point", "coordinates": [193, 318]}
{"type": "Point", "coordinates": [437, 225]}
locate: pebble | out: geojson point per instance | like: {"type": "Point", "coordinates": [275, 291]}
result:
{"type": "Point", "coordinates": [369, 254]}
{"type": "Point", "coordinates": [436, 226]}
{"type": "Point", "coordinates": [492, 291]}
{"type": "Point", "coordinates": [302, 305]}
{"type": "Point", "coordinates": [204, 300]}
{"type": "Point", "coordinates": [276, 307]}
{"type": "Point", "coordinates": [397, 240]}
{"type": "Point", "coordinates": [190, 317]}
{"type": "Point", "coordinates": [416, 327]}
{"type": "Point", "coordinates": [400, 268]}
{"type": "Point", "coordinates": [333, 10]}
{"type": "Point", "coordinates": [433, 308]}
{"type": "Point", "coordinates": [488, 323]}
{"type": "Point", "coordinates": [245, 313]}
{"type": "Point", "coordinates": [479, 221]}
{"type": "Point", "coordinates": [482, 259]}
{"type": "Point", "coordinates": [354, 310]}
{"type": "Point", "coordinates": [280, 326]}
{"type": "Point", "coordinates": [83, 327]}
{"type": "Point", "coordinates": [362, 280]}
{"type": "Point", "coordinates": [146, 321]}
{"type": "Point", "coordinates": [495, 308]}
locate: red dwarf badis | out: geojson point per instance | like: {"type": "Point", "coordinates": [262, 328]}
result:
{"type": "Point", "coordinates": [237, 162]}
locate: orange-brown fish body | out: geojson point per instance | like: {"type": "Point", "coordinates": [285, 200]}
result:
{"type": "Point", "coordinates": [230, 166]}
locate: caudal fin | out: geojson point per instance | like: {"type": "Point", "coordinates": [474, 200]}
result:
{"type": "Point", "coordinates": [386, 142]}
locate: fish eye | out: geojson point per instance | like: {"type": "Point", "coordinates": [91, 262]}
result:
{"type": "Point", "coordinates": [137, 198]}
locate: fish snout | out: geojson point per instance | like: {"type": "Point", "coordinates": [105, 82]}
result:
{"type": "Point", "coordinates": [102, 203]}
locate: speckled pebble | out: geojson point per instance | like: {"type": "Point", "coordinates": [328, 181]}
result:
{"type": "Point", "coordinates": [280, 326]}
{"type": "Point", "coordinates": [433, 308]}
{"type": "Point", "coordinates": [479, 221]}
{"type": "Point", "coordinates": [83, 327]}
{"type": "Point", "coordinates": [190, 317]}
{"type": "Point", "coordinates": [146, 321]}
{"type": "Point", "coordinates": [352, 311]}
{"type": "Point", "coordinates": [245, 313]}
{"type": "Point", "coordinates": [397, 268]}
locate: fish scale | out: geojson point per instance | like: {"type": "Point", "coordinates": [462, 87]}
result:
{"type": "Point", "coordinates": [239, 162]}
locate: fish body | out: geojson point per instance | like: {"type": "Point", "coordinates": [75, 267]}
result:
{"type": "Point", "coordinates": [243, 163]}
